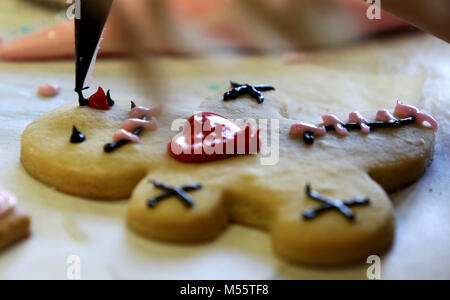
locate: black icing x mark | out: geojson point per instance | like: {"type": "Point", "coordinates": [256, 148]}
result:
{"type": "Point", "coordinates": [255, 91]}
{"type": "Point", "coordinates": [179, 192]}
{"type": "Point", "coordinates": [331, 204]}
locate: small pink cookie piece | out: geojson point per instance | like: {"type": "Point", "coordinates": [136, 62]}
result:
{"type": "Point", "coordinates": [122, 134]}
{"type": "Point", "coordinates": [131, 125]}
{"type": "Point", "coordinates": [332, 120]}
{"type": "Point", "coordinates": [299, 129]}
{"type": "Point", "coordinates": [383, 115]}
{"type": "Point", "coordinates": [7, 204]}
{"type": "Point", "coordinates": [406, 111]}
{"type": "Point", "coordinates": [356, 117]}
{"type": "Point", "coordinates": [48, 90]}
{"type": "Point", "coordinates": [139, 112]}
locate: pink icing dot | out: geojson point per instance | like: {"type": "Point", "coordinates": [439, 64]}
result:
{"type": "Point", "coordinates": [299, 129]}
{"type": "Point", "coordinates": [48, 90]}
{"type": "Point", "coordinates": [405, 111]}
{"type": "Point", "coordinates": [332, 120]}
{"type": "Point", "coordinates": [356, 117]}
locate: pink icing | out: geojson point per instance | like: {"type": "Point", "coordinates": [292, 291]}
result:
{"type": "Point", "coordinates": [122, 134]}
{"type": "Point", "coordinates": [384, 115]}
{"type": "Point", "coordinates": [7, 204]}
{"type": "Point", "coordinates": [356, 117]}
{"type": "Point", "coordinates": [300, 129]}
{"type": "Point", "coordinates": [136, 121]}
{"type": "Point", "coordinates": [406, 111]}
{"type": "Point", "coordinates": [132, 124]}
{"type": "Point", "coordinates": [139, 112]}
{"type": "Point", "coordinates": [332, 120]}
{"type": "Point", "coordinates": [48, 90]}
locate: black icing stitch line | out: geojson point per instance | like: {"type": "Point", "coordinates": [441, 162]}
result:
{"type": "Point", "coordinates": [179, 192]}
{"type": "Point", "coordinates": [255, 91]}
{"type": "Point", "coordinates": [77, 137]}
{"type": "Point", "coordinates": [308, 136]}
{"type": "Point", "coordinates": [330, 204]}
{"type": "Point", "coordinates": [110, 147]}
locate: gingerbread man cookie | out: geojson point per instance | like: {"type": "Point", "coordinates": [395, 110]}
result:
{"type": "Point", "coordinates": [318, 190]}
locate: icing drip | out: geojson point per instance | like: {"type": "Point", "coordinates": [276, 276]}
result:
{"type": "Point", "coordinates": [404, 111]}
{"type": "Point", "coordinates": [140, 118]}
{"type": "Point", "coordinates": [332, 120]}
{"type": "Point", "coordinates": [356, 117]}
{"type": "Point", "coordinates": [384, 119]}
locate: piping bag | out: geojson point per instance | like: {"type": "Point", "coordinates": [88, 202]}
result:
{"type": "Point", "coordinates": [212, 19]}
{"type": "Point", "coordinates": [90, 20]}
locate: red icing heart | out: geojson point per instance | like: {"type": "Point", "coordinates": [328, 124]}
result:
{"type": "Point", "coordinates": [99, 100]}
{"type": "Point", "coordinates": [209, 136]}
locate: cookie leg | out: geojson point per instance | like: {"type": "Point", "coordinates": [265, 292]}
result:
{"type": "Point", "coordinates": [331, 238]}
{"type": "Point", "coordinates": [158, 212]}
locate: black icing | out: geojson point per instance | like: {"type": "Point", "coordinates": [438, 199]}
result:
{"type": "Point", "coordinates": [109, 99]}
{"type": "Point", "coordinates": [331, 204]}
{"type": "Point", "coordinates": [254, 91]}
{"type": "Point", "coordinates": [77, 137]}
{"type": "Point", "coordinates": [110, 147]}
{"type": "Point", "coordinates": [81, 100]}
{"type": "Point", "coordinates": [89, 25]}
{"type": "Point", "coordinates": [179, 192]}
{"type": "Point", "coordinates": [308, 137]}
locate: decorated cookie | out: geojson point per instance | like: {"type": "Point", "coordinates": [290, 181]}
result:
{"type": "Point", "coordinates": [320, 191]}
{"type": "Point", "coordinates": [14, 226]}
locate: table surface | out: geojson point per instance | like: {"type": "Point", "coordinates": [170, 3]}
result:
{"type": "Point", "coordinates": [96, 232]}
